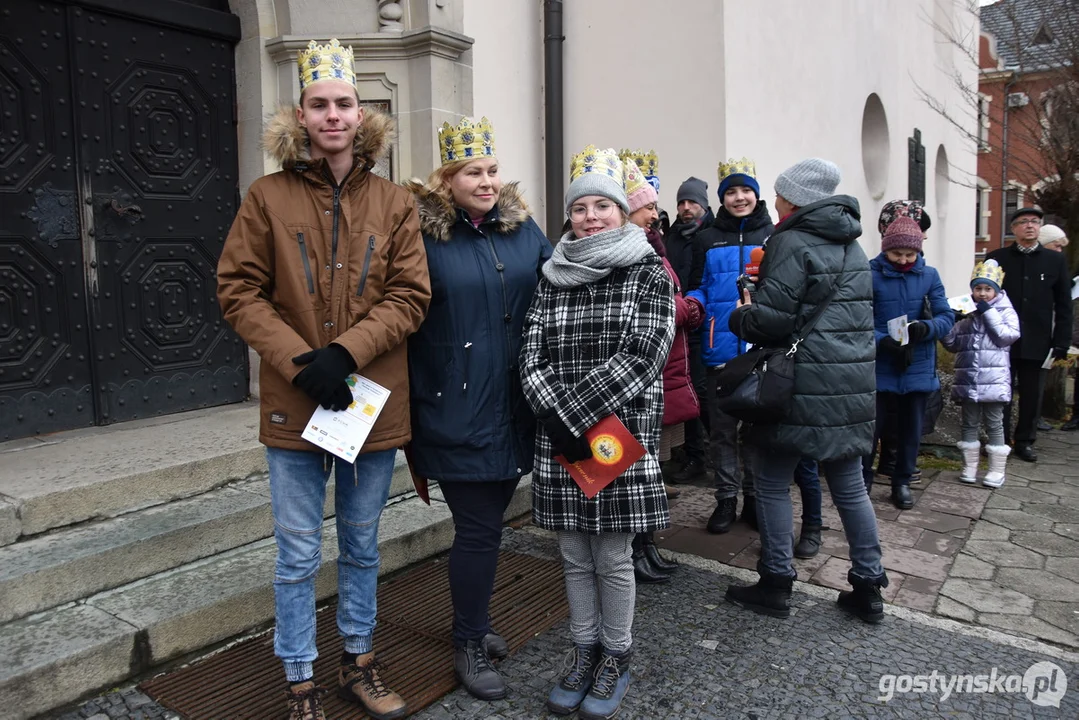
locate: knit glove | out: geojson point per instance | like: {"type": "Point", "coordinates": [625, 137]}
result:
{"type": "Point", "coordinates": [918, 331]}
{"type": "Point", "coordinates": [902, 354]}
{"type": "Point", "coordinates": [983, 306]}
{"type": "Point", "coordinates": [324, 377]}
{"type": "Point", "coordinates": [1060, 353]}
{"type": "Point", "coordinates": [694, 313]}
{"type": "Point", "coordinates": [564, 442]}
{"type": "Point", "coordinates": [890, 345]}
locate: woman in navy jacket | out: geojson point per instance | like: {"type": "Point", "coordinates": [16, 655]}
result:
{"type": "Point", "coordinates": [472, 429]}
{"type": "Point", "coordinates": [903, 284]}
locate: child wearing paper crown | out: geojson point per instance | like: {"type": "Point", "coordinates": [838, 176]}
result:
{"type": "Point", "coordinates": [983, 383]}
{"type": "Point", "coordinates": [905, 285]}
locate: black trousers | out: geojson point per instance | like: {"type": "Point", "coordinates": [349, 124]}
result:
{"type": "Point", "coordinates": [1028, 379]}
{"type": "Point", "coordinates": [909, 410]}
{"type": "Point", "coordinates": [477, 509]}
{"type": "Point", "coordinates": [697, 429]}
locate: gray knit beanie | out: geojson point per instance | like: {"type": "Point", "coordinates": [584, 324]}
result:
{"type": "Point", "coordinates": [594, 183]}
{"type": "Point", "coordinates": [694, 189]}
{"type": "Point", "coordinates": [808, 182]}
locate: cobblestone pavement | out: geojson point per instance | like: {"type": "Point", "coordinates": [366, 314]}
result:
{"type": "Point", "coordinates": [1005, 558]}
{"type": "Point", "coordinates": [698, 657]}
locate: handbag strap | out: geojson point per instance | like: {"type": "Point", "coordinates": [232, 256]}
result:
{"type": "Point", "coordinates": [819, 311]}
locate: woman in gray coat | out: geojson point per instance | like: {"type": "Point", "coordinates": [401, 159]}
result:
{"type": "Point", "coordinates": [812, 256]}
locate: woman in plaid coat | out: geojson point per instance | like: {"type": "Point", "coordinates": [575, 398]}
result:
{"type": "Point", "coordinates": [596, 340]}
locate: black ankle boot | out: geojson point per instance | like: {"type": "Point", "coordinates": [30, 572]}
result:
{"type": "Point", "coordinates": [475, 672]}
{"type": "Point", "coordinates": [770, 596]}
{"type": "Point", "coordinates": [643, 572]}
{"type": "Point", "coordinates": [692, 471]}
{"type": "Point", "coordinates": [901, 497]}
{"type": "Point", "coordinates": [723, 516]}
{"type": "Point", "coordinates": [864, 600]}
{"type": "Point", "coordinates": [808, 542]}
{"type": "Point", "coordinates": [651, 551]}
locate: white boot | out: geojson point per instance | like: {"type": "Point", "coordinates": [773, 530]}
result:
{"type": "Point", "coordinates": [971, 452]}
{"type": "Point", "coordinates": [998, 458]}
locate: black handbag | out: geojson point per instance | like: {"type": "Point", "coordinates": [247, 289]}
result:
{"type": "Point", "coordinates": [758, 386]}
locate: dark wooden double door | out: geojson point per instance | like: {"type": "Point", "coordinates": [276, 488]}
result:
{"type": "Point", "coordinates": [118, 183]}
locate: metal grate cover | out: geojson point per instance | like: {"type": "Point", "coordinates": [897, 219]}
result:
{"type": "Point", "coordinates": [412, 640]}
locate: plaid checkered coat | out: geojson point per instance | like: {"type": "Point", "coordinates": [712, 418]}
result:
{"type": "Point", "coordinates": [589, 351]}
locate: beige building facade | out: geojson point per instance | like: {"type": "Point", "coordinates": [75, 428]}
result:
{"type": "Point", "coordinates": [697, 80]}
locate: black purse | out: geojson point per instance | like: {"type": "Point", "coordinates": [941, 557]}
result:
{"type": "Point", "coordinates": [758, 386]}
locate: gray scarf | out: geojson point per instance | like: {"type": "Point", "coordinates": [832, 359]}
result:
{"type": "Point", "coordinates": [579, 261]}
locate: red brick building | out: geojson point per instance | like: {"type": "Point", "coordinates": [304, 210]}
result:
{"type": "Point", "coordinates": [1018, 54]}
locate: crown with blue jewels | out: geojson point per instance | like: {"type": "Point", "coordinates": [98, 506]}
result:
{"type": "Point", "coordinates": [593, 160]}
{"type": "Point", "coordinates": [470, 140]}
{"type": "Point", "coordinates": [742, 166]}
{"type": "Point", "coordinates": [331, 61]}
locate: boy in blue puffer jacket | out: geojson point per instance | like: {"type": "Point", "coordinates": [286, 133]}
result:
{"type": "Point", "coordinates": [742, 224]}
{"type": "Point", "coordinates": [903, 284]}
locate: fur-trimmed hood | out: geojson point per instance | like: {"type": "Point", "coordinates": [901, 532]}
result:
{"type": "Point", "coordinates": [437, 217]}
{"type": "Point", "coordinates": [286, 141]}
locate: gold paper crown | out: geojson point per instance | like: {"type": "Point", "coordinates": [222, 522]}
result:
{"type": "Point", "coordinates": [744, 166]}
{"type": "Point", "coordinates": [467, 141]}
{"type": "Point", "coordinates": [325, 62]}
{"type": "Point", "coordinates": [646, 161]}
{"type": "Point", "coordinates": [632, 177]}
{"type": "Point", "coordinates": [594, 160]}
{"type": "Point", "coordinates": [988, 270]}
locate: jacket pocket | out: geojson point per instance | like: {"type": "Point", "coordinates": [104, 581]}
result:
{"type": "Point", "coordinates": [366, 265]}
{"type": "Point", "coordinates": [306, 263]}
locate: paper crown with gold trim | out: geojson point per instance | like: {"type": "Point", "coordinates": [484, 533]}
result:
{"type": "Point", "coordinates": [325, 62]}
{"type": "Point", "coordinates": [468, 141]}
{"type": "Point", "coordinates": [737, 172]}
{"type": "Point", "coordinates": [646, 161]}
{"type": "Point", "coordinates": [989, 272]}
{"type": "Point", "coordinates": [601, 162]}
{"type": "Point", "coordinates": [742, 166]}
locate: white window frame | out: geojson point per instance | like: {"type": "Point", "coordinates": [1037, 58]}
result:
{"type": "Point", "coordinates": [984, 190]}
{"type": "Point", "coordinates": [984, 103]}
{"type": "Point", "coordinates": [1020, 190]}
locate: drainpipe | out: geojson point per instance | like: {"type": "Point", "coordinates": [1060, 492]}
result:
{"type": "Point", "coordinates": [1004, 164]}
{"type": "Point", "coordinates": [552, 101]}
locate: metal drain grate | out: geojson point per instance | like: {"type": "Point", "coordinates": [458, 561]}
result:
{"type": "Point", "coordinates": [412, 640]}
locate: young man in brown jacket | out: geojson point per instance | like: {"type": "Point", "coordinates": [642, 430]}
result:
{"type": "Point", "coordinates": [324, 273]}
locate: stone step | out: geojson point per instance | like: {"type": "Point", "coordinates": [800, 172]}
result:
{"type": "Point", "coordinates": [74, 562]}
{"type": "Point", "coordinates": [57, 656]}
{"type": "Point", "coordinates": [66, 478]}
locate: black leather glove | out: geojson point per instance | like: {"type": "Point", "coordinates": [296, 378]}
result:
{"type": "Point", "coordinates": [918, 331]}
{"type": "Point", "coordinates": [564, 442]}
{"type": "Point", "coordinates": [983, 306]}
{"type": "Point", "coordinates": [1060, 353]}
{"type": "Point", "coordinates": [324, 377]}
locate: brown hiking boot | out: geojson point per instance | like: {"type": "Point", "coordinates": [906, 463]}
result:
{"type": "Point", "coordinates": [362, 683]}
{"type": "Point", "coordinates": [305, 702]}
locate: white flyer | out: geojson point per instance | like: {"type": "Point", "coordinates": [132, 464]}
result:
{"type": "Point", "coordinates": [1048, 360]}
{"type": "Point", "coordinates": [963, 304]}
{"type": "Point", "coordinates": [343, 433]}
{"type": "Point", "coordinates": [897, 328]}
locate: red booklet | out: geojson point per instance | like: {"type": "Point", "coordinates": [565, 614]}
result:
{"type": "Point", "coordinates": [614, 449]}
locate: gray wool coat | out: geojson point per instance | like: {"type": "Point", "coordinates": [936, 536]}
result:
{"type": "Point", "coordinates": [834, 406]}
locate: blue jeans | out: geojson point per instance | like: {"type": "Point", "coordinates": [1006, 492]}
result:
{"type": "Point", "coordinates": [807, 478]}
{"type": "Point", "coordinates": [776, 517]}
{"type": "Point", "coordinates": [297, 494]}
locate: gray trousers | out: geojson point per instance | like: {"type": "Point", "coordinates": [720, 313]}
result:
{"type": "Point", "coordinates": [599, 587]}
{"type": "Point", "coordinates": [728, 448]}
{"type": "Point", "coordinates": [992, 414]}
